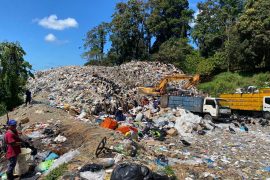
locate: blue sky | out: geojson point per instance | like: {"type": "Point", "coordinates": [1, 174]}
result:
{"type": "Point", "coordinates": [51, 31]}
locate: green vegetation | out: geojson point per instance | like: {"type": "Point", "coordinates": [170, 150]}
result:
{"type": "Point", "coordinates": [169, 171]}
{"type": "Point", "coordinates": [231, 35]}
{"type": "Point", "coordinates": [227, 82]}
{"type": "Point", "coordinates": [2, 109]}
{"type": "Point", "coordinates": [14, 72]}
{"type": "Point", "coordinates": [57, 172]}
{"type": "Point", "coordinates": [142, 30]}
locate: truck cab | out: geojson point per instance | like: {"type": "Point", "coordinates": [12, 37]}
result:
{"type": "Point", "coordinates": [215, 108]}
{"type": "Point", "coordinates": [266, 107]}
{"type": "Point", "coordinates": [207, 107]}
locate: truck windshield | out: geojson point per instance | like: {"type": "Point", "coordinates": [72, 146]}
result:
{"type": "Point", "coordinates": [267, 100]}
{"type": "Point", "coordinates": [222, 103]}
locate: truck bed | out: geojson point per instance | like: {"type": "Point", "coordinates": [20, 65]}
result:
{"type": "Point", "coordinates": [247, 101]}
{"type": "Point", "coordinates": [193, 104]}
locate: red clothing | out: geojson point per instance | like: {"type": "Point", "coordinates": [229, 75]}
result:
{"type": "Point", "coordinates": [12, 137]}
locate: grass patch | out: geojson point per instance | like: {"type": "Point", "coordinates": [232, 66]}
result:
{"type": "Point", "coordinates": [227, 82]}
{"type": "Point", "coordinates": [169, 171]}
{"type": "Point", "coordinates": [57, 172]}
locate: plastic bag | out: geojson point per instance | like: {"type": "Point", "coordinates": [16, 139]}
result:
{"type": "Point", "coordinates": [93, 175]}
{"type": "Point", "coordinates": [131, 172]}
{"type": "Point", "coordinates": [45, 166]}
{"type": "Point", "coordinates": [22, 165]}
{"type": "Point", "coordinates": [162, 160]}
{"type": "Point", "coordinates": [91, 167]}
{"type": "Point", "coordinates": [64, 159]}
{"type": "Point", "coordinates": [186, 124]}
{"type": "Point", "coordinates": [52, 156]}
{"type": "Point", "coordinates": [109, 123]}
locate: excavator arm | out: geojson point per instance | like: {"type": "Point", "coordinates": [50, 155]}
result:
{"type": "Point", "coordinates": [161, 88]}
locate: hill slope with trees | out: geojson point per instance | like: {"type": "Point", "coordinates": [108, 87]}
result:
{"type": "Point", "coordinates": [230, 35]}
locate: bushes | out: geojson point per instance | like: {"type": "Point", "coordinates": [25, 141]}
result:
{"type": "Point", "coordinates": [227, 82]}
{"type": "Point", "coordinates": [196, 64]}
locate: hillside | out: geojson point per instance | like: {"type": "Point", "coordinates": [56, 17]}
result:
{"type": "Point", "coordinates": [228, 82]}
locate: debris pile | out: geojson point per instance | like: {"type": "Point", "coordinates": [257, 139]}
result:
{"type": "Point", "coordinates": [94, 89]}
{"type": "Point", "coordinates": [127, 136]}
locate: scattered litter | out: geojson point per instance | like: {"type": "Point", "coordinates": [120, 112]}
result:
{"type": "Point", "coordinates": [60, 139]}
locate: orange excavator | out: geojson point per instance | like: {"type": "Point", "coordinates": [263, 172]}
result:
{"type": "Point", "coordinates": [161, 88]}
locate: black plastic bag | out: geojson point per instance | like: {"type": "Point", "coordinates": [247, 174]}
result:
{"type": "Point", "coordinates": [131, 172]}
{"type": "Point", "coordinates": [91, 167]}
{"type": "Point", "coordinates": [48, 131]}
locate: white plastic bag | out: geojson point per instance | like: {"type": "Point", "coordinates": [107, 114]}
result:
{"type": "Point", "coordinates": [22, 165]}
{"type": "Point", "coordinates": [100, 175]}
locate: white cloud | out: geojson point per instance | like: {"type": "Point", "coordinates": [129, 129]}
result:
{"type": "Point", "coordinates": [50, 38]}
{"type": "Point", "coordinates": [53, 39]}
{"type": "Point", "coordinates": [52, 22]}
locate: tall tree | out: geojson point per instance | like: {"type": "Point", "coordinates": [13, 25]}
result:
{"type": "Point", "coordinates": [214, 23]}
{"type": "Point", "coordinates": [128, 31]}
{"type": "Point", "coordinates": [14, 72]}
{"type": "Point", "coordinates": [168, 18]}
{"type": "Point", "coordinates": [95, 42]}
{"type": "Point", "coordinates": [174, 51]}
{"type": "Point", "coordinates": [254, 31]}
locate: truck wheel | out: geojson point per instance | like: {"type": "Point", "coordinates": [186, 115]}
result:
{"type": "Point", "coordinates": [208, 117]}
{"type": "Point", "coordinates": [266, 115]}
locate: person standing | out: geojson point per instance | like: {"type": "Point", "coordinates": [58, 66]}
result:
{"type": "Point", "coordinates": [119, 116]}
{"type": "Point", "coordinates": [28, 97]}
{"type": "Point", "coordinates": [13, 143]}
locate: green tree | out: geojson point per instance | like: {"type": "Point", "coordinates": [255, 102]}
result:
{"type": "Point", "coordinates": [95, 42]}
{"type": "Point", "coordinates": [168, 19]}
{"type": "Point", "coordinates": [14, 72]}
{"type": "Point", "coordinates": [233, 52]}
{"type": "Point", "coordinates": [128, 31]}
{"type": "Point", "coordinates": [214, 23]}
{"type": "Point", "coordinates": [254, 32]}
{"type": "Point", "coordinates": [173, 51]}
{"type": "Point", "coordinates": [196, 64]}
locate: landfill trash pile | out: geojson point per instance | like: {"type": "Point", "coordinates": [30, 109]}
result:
{"type": "Point", "coordinates": [93, 89]}
{"type": "Point", "coordinates": [121, 135]}
{"type": "Point", "coordinates": [152, 142]}
{"type": "Point", "coordinates": [175, 138]}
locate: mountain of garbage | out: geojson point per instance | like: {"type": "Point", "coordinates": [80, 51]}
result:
{"type": "Point", "coordinates": [96, 88]}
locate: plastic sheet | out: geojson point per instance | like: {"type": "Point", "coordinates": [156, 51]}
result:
{"type": "Point", "coordinates": [187, 123]}
{"type": "Point", "coordinates": [65, 158]}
